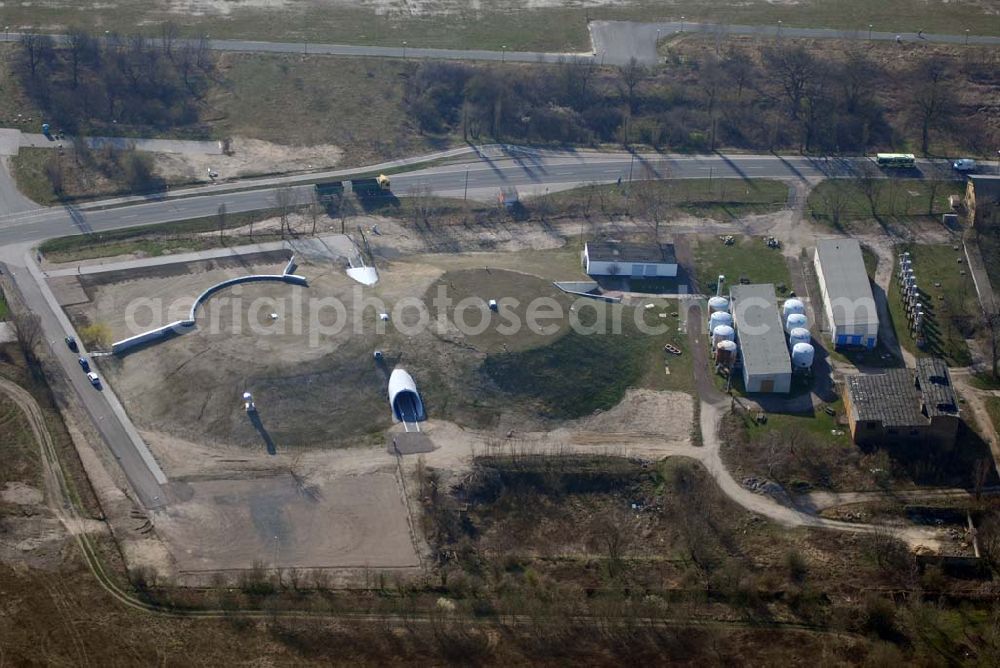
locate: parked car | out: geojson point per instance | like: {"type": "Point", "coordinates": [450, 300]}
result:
{"type": "Point", "coordinates": [94, 379]}
{"type": "Point", "coordinates": [71, 343]}
{"type": "Point", "coordinates": [84, 364]}
{"type": "Point", "coordinates": [964, 165]}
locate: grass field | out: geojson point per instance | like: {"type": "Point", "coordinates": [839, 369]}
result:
{"type": "Point", "coordinates": [950, 303]}
{"type": "Point", "coordinates": [153, 240]}
{"type": "Point", "coordinates": [897, 200]}
{"type": "Point", "coordinates": [580, 373]}
{"type": "Point", "coordinates": [518, 25]}
{"type": "Point", "coordinates": [748, 258]}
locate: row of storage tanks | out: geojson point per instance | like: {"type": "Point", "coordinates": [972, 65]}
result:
{"type": "Point", "coordinates": [793, 312]}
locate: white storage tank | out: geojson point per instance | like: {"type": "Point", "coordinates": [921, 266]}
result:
{"type": "Point", "coordinates": [719, 318]}
{"type": "Point", "coordinates": [723, 333]}
{"type": "Point", "coordinates": [796, 320]}
{"type": "Point", "coordinates": [803, 355]}
{"type": "Point", "coordinates": [725, 352]}
{"type": "Point", "coordinates": [798, 335]}
{"type": "Point", "coordinates": [718, 303]}
{"type": "Point", "coordinates": [792, 306]}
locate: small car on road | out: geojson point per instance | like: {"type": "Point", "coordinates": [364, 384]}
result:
{"type": "Point", "coordinates": [94, 379]}
{"type": "Point", "coordinates": [71, 343]}
{"type": "Point", "coordinates": [84, 364]}
{"type": "Point", "coordinates": [964, 165]}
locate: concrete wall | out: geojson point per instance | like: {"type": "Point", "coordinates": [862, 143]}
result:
{"type": "Point", "coordinates": [782, 382]}
{"type": "Point", "coordinates": [634, 270]}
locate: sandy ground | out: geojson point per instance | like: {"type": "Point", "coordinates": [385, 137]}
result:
{"type": "Point", "coordinates": [249, 157]}
{"type": "Point", "coordinates": [277, 521]}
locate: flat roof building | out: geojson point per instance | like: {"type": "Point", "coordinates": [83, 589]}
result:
{"type": "Point", "coordinates": [848, 302]}
{"type": "Point", "coordinates": [617, 258]}
{"type": "Point", "coordinates": [761, 334]}
{"type": "Point", "coordinates": [916, 406]}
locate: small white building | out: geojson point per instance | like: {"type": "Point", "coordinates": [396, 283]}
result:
{"type": "Point", "coordinates": [616, 258]}
{"type": "Point", "coordinates": [848, 303]}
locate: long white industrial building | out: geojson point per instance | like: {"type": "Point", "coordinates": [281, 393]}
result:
{"type": "Point", "coordinates": [848, 302]}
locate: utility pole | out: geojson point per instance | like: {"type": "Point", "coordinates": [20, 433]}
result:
{"type": "Point", "coordinates": [465, 195]}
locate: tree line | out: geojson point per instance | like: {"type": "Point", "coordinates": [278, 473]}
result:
{"type": "Point", "coordinates": [83, 83]}
{"type": "Point", "coordinates": [783, 97]}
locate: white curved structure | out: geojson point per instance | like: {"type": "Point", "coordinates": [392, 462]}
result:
{"type": "Point", "coordinates": [803, 355]}
{"type": "Point", "coordinates": [404, 399]}
{"type": "Point", "coordinates": [792, 306]}
{"type": "Point", "coordinates": [795, 321]}
{"type": "Point", "coordinates": [723, 333]}
{"type": "Point", "coordinates": [798, 335]}
{"type": "Point", "coordinates": [719, 318]}
{"type": "Point", "coordinates": [718, 303]}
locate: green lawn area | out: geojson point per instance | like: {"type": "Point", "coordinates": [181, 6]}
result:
{"type": "Point", "coordinates": [993, 408]}
{"type": "Point", "coordinates": [748, 257]}
{"type": "Point", "coordinates": [721, 199]}
{"type": "Point", "coordinates": [4, 308]}
{"type": "Point", "coordinates": [580, 373]}
{"type": "Point", "coordinates": [950, 303]}
{"type": "Point", "coordinates": [153, 240]}
{"type": "Point", "coordinates": [895, 200]}
{"type": "Point", "coordinates": [518, 26]}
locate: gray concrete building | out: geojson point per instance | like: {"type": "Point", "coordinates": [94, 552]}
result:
{"type": "Point", "coordinates": [761, 337]}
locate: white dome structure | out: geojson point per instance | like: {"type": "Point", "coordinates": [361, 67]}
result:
{"type": "Point", "coordinates": [796, 320]}
{"type": "Point", "coordinates": [404, 398]}
{"type": "Point", "coordinates": [803, 355]}
{"type": "Point", "coordinates": [792, 306]}
{"type": "Point", "coordinates": [718, 303]}
{"type": "Point", "coordinates": [719, 318]}
{"type": "Point", "coordinates": [798, 335]}
{"type": "Point", "coordinates": [723, 333]}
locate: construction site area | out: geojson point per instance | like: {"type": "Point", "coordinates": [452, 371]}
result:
{"type": "Point", "coordinates": [269, 414]}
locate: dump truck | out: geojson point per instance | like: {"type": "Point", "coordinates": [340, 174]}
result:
{"type": "Point", "coordinates": [370, 186]}
{"type": "Point", "coordinates": [326, 192]}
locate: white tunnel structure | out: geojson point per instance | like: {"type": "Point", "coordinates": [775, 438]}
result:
{"type": "Point", "coordinates": [404, 398]}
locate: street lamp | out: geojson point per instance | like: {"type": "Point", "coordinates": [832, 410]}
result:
{"type": "Point", "coordinates": [682, 24]}
{"type": "Point", "coordinates": [503, 52]}
{"type": "Point", "coordinates": [779, 27]}
{"type": "Point", "coordinates": [869, 32]}
{"type": "Point", "coordinates": [404, 49]}
{"type": "Point", "coordinates": [967, 37]}
{"type": "Point", "coordinates": [5, 30]}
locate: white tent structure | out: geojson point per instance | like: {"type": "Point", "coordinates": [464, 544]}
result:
{"type": "Point", "coordinates": [404, 398]}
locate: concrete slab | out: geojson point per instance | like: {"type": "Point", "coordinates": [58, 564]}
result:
{"type": "Point", "coordinates": [410, 443]}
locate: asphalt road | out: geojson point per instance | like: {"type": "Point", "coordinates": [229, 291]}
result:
{"type": "Point", "coordinates": [612, 42]}
{"type": "Point", "coordinates": [616, 42]}
{"type": "Point", "coordinates": [106, 414]}
{"type": "Point", "coordinates": [530, 172]}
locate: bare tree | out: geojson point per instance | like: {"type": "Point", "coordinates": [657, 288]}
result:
{"type": "Point", "coordinates": [835, 196]}
{"type": "Point", "coordinates": [422, 198]}
{"type": "Point", "coordinates": [613, 534]}
{"type": "Point", "coordinates": [630, 76]}
{"type": "Point", "coordinates": [932, 99]}
{"type": "Point", "coordinates": [28, 328]}
{"type": "Point", "coordinates": [168, 35]}
{"type": "Point", "coordinates": [345, 208]}
{"type": "Point", "coordinates": [740, 70]}
{"type": "Point", "coordinates": [652, 196]}
{"type": "Point", "coordinates": [78, 42]}
{"type": "Point", "coordinates": [857, 76]}
{"type": "Point", "coordinates": [220, 216]}
{"type": "Point", "coordinates": [283, 200]}
{"type": "Point", "coordinates": [792, 68]}
{"type": "Point", "coordinates": [314, 210]}
{"type": "Point", "coordinates": [870, 183]}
